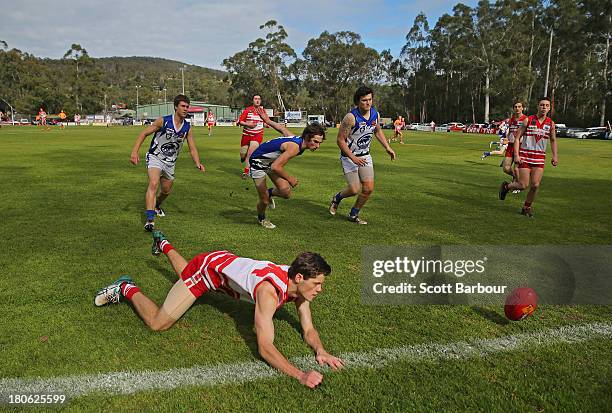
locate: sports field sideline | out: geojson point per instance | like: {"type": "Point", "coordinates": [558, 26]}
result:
{"type": "Point", "coordinates": [72, 222]}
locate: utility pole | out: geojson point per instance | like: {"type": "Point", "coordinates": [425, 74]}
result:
{"type": "Point", "coordinates": [165, 99]}
{"type": "Point", "coordinates": [183, 77]}
{"type": "Point", "coordinates": [137, 87]}
{"type": "Point", "coordinates": [548, 64]}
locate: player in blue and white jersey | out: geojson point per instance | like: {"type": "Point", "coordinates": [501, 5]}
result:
{"type": "Point", "coordinates": [355, 135]}
{"type": "Point", "coordinates": [270, 158]}
{"type": "Point", "coordinates": [170, 132]}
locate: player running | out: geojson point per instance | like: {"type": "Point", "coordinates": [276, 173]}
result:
{"type": "Point", "coordinates": [354, 139]}
{"type": "Point", "coordinates": [169, 132]}
{"type": "Point", "coordinates": [62, 117]}
{"type": "Point", "coordinates": [263, 283]}
{"type": "Point", "coordinates": [398, 125]}
{"type": "Point", "coordinates": [210, 122]}
{"type": "Point", "coordinates": [502, 144]}
{"type": "Point", "coordinates": [530, 154]}
{"type": "Point", "coordinates": [252, 133]}
{"type": "Point", "coordinates": [514, 123]}
{"type": "Point", "coordinates": [270, 158]}
{"type": "Point", "coordinates": [42, 115]}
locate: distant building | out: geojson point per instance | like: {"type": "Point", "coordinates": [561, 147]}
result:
{"type": "Point", "coordinates": [197, 111]}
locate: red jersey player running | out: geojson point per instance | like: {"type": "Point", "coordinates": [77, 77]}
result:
{"type": "Point", "coordinates": [530, 154]}
{"type": "Point", "coordinates": [262, 283]}
{"type": "Point", "coordinates": [252, 134]}
{"type": "Point", "coordinates": [210, 121]}
{"type": "Point", "coordinates": [516, 120]}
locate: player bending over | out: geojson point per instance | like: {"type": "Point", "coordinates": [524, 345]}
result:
{"type": "Point", "coordinates": [263, 283]}
{"type": "Point", "coordinates": [270, 158]}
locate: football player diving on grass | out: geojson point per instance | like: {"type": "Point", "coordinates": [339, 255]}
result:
{"type": "Point", "coordinates": [263, 283]}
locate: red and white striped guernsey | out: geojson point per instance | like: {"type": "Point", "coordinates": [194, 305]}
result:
{"type": "Point", "coordinates": [251, 115]}
{"type": "Point", "coordinates": [513, 124]}
{"type": "Point", "coordinates": [535, 139]}
{"type": "Point", "coordinates": [238, 277]}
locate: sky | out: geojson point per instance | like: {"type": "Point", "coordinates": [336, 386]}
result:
{"type": "Point", "coordinates": [199, 32]}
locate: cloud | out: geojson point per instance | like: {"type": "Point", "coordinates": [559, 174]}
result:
{"type": "Point", "coordinates": [193, 31]}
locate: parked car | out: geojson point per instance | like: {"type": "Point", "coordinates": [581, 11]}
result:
{"type": "Point", "coordinates": [578, 133]}
{"type": "Point", "coordinates": [561, 129]}
{"type": "Point", "coordinates": [599, 132]}
{"type": "Point", "coordinates": [412, 126]}
{"type": "Point", "coordinates": [24, 121]}
{"type": "Point", "coordinates": [387, 126]}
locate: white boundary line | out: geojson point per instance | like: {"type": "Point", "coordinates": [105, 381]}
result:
{"type": "Point", "coordinates": [128, 382]}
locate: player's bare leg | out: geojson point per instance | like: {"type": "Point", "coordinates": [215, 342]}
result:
{"type": "Point", "coordinates": [282, 187]}
{"type": "Point", "coordinates": [166, 188]}
{"type": "Point", "coordinates": [508, 169]}
{"type": "Point", "coordinates": [150, 196]}
{"type": "Point", "coordinates": [352, 188]}
{"type": "Point", "coordinates": [264, 200]}
{"type": "Point", "coordinates": [243, 156]}
{"type": "Point", "coordinates": [253, 145]}
{"type": "Point", "coordinates": [534, 185]}
{"type": "Point", "coordinates": [367, 187]}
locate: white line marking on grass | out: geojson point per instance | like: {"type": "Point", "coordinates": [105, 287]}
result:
{"type": "Point", "coordinates": [135, 381]}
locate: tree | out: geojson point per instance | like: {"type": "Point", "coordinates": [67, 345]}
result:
{"type": "Point", "coordinates": [333, 65]}
{"type": "Point", "coordinates": [263, 68]}
{"type": "Point", "coordinates": [80, 58]}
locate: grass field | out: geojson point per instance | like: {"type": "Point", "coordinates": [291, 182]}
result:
{"type": "Point", "coordinates": [71, 222]}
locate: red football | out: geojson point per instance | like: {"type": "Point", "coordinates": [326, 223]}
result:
{"type": "Point", "coordinates": [521, 303]}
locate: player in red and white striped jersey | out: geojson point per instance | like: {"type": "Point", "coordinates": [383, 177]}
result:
{"type": "Point", "coordinates": [210, 121]}
{"type": "Point", "coordinates": [252, 133]}
{"type": "Point", "coordinates": [263, 283]}
{"type": "Point", "coordinates": [530, 154]}
{"type": "Point", "coordinates": [514, 123]}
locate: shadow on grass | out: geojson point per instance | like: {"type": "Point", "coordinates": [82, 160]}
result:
{"type": "Point", "coordinates": [490, 315]}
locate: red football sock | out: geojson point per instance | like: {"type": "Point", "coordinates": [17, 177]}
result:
{"type": "Point", "coordinates": [166, 247]}
{"type": "Point", "coordinates": [128, 290]}
{"type": "Point", "coordinates": [527, 204]}
{"type": "Point", "coordinates": [246, 170]}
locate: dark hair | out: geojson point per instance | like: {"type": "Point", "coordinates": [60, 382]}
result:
{"type": "Point", "coordinates": [255, 94]}
{"type": "Point", "coordinates": [518, 101]}
{"type": "Point", "coordinates": [313, 129]}
{"type": "Point", "coordinates": [544, 98]}
{"type": "Point", "coordinates": [180, 98]}
{"type": "Point", "coordinates": [310, 265]}
{"type": "Point", "coordinates": [361, 92]}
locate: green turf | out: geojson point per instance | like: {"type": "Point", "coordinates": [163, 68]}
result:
{"type": "Point", "coordinates": [71, 222]}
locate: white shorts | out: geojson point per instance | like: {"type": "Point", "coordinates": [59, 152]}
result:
{"type": "Point", "coordinates": [365, 172]}
{"type": "Point", "coordinates": [167, 171]}
{"type": "Point", "coordinates": [259, 168]}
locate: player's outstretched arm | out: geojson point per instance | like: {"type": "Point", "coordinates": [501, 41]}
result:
{"type": "Point", "coordinates": [278, 126]}
{"type": "Point", "coordinates": [311, 337]}
{"type": "Point", "coordinates": [265, 307]}
{"type": "Point", "coordinates": [193, 151]}
{"type": "Point", "coordinates": [343, 133]}
{"type": "Point", "coordinates": [380, 135]}
{"type": "Point", "coordinates": [154, 127]}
